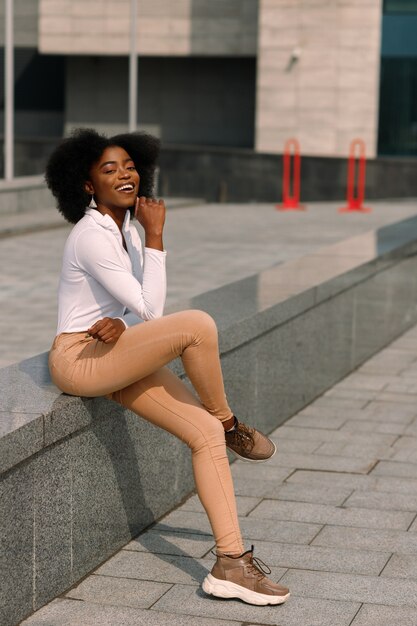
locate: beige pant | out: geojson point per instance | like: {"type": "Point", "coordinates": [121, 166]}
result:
{"type": "Point", "coordinates": [132, 373]}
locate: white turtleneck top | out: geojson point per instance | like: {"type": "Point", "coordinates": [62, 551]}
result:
{"type": "Point", "coordinates": [100, 279]}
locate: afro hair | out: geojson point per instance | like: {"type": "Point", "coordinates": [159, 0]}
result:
{"type": "Point", "coordinates": [69, 166]}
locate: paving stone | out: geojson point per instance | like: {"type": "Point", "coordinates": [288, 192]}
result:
{"type": "Point", "coordinates": [337, 402]}
{"type": "Point", "coordinates": [370, 426]}
{"type": "Point", "coordinates": [344, 587]}
{"type": "Point", "coordinates": [292, 445]}
{"type": "Point", "coordinates": [322, 462]}
{"type": "Point", "coordinates": [372, 615]}
{"type": "Point", "coordinates": [404, 455]}
{"type": "Point", "coordinates": [327, 514]}
{"type": "Point", "coordinates": [321, 434]}
{"type": "Point", "coordinates": [302, 493]}
{"type": "Point", "coordinates": [296, 611]}
{"type": "Point", "coordinates": [76, 613]}
{"type": "Point", "coordinates": [406, 398]}
{"type": "Point", "coordinates": [355, 481]}
{"type": "Point", "coordinates": [366, 381]}
{"type": "Point", "coordinates": [401, 566]}
{"type": "Point", "coordinates": [180, 544]}
{"type": "Point", "coordinates": [401, 386]}
{"type": "Point", "coordinates": [367, 539]}
{"type": "Point", "coordinates": [252, 528]}
{"type": "Point", "coordinates": [317, 417]}
{"type": "Point", "coordinates": [324, 559]}
{"type": "Point", "coordinates": [264, 472]}
{"type": "Point", "coordinates": [245, 504]}
{"type": "Point", "coordinates": [411, 429]}
{"type": "Point", "coordinates": [384, 411]}
{"type": "Point", "coordinates": [372, 451]}
{"type": "Point", "coordinates": [118, 591]}
{"type": "Point", "coordinates": [382, 501]}
{"type": "Point", "coordinates": [413, 527]}
{"type": "Point", "coordinates": [394, 468]}
{"type": "Point", "coordinates": [246, 486]}
{"type": "Point", "coordinates": [354, 394]}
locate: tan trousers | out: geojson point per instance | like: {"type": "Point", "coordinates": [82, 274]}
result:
{"type": "Point", "coordinates": [132, 373]}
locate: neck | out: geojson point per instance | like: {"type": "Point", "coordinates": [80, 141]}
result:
{"type": "Point", "coordinates": [116, 213]}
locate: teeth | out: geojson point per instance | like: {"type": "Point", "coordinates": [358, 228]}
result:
{"type": "Point", "coordinates": [129, 187]}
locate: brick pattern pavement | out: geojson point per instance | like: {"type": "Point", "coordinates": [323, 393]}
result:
{"type": "Point", "coordinates": [334, 514]}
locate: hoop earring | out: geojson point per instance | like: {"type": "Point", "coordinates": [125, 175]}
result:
{"type": "Point", "coordinates": [93, 204]}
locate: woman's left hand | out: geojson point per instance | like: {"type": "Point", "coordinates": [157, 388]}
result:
{"type": "Point", "coordinates": [107, 329]}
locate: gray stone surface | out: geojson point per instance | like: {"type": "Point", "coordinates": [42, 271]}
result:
{"type": "Point", "coordinates": [297, 610]}
{"type": "Point", "coordinates": [333, 515]}
{"type": "Point", "coordinates": [74, 613]}
{"type": "Point", "coordinates": [335, 586]}
{"type": "Point", "coordinates": [374, 615]}
{"type": "Point", "coordinates": [118, 591]}
{"type": "Point", "coordinates": [175, 543]}
{"type": "Point", "coordinates": [17, 546]}
{"type": "Point", "coordinates": [319, 558]}
{"type": "Point", "coordinates": [344, 541]}
{"type": "Point", "coordinates": [367, 539]}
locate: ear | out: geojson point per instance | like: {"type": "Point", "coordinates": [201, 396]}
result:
{"type": "Point", "coordinates": [88, 187]}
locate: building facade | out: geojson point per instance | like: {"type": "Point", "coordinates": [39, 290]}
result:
{"type": "Point", "coordinates": [233, 73]}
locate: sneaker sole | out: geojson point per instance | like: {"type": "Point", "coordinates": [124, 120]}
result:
{"type": "Point", "coordinates": [226, 589]}
{"type": "Point", "coordinates": [244, 458]}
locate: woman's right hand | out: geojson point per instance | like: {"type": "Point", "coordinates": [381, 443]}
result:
{"type": "Point", "coordinates": [150, 213]}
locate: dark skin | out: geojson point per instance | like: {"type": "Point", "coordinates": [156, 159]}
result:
{"type": "Point", "coordinates": [114, 182]}
{"type": "Point", "coordinates": [114, 170]}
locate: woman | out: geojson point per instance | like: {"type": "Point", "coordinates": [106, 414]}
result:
{"type": "Point", "coordinates": [108, 285]}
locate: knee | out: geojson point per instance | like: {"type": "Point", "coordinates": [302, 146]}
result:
{"type": "Point", "coordinates": [211, 434]}
{"type": "Point", "coordinates": [203, 323]}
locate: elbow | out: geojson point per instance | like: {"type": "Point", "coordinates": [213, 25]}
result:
{"type": "Point", "coordinates": [152, 314]}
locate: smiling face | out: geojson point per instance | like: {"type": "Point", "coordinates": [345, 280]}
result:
{"type": "Point", "coordinates": [114, 180]}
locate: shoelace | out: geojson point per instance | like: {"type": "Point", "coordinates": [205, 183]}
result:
{"type": "Point", "coordinates": [258, 567]}
{"type": "Point", "coordinates": [243, 436]}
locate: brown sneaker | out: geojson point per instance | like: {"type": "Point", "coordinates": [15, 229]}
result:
{"type": "Point", "coordinates": [249, 444]}
{"type": "Point", "coordinates": [243, 577]}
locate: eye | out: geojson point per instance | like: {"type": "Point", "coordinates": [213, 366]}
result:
{"type": "Point", "coordinates": [131, 167]}
{"type": "Point", "coordinates": [108, 171]}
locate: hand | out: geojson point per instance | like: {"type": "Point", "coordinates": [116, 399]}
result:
{"type": "Point", "coordinates": [107, 329]}
{"type": "Point", "coordinates": [150, 213]}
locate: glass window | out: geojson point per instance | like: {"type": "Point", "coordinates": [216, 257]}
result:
{"type": "Point", "coordinates": [398, 107]}
{"type": "Point", "coordinates": [400, 6]}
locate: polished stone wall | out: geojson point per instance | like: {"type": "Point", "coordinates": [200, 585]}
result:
{"type": "Point", "coordinates": [80, 477]}
{"type": "Point", "coordinates": [231, 175]}
{"type": "Point", "coordinates": [164, 27]}
{"type": "Point", "coordinates": [318, 74]}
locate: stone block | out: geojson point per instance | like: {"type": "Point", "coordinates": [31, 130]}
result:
{"type": "Point", "coordinates": [317, 558]}
{"type": "Point", "coordinates": [293, 613]}
{"type": "Point", "coordinates": [175, 543]}
{"type": "Point", "coordinates": [17, 547]}
{"type": "Point", "coordinates": [327, 514]}
{"type": "Point", "coordinates": [395, 468]}
{"type": "Point", "coordinates": [252, 529]}
{"type": "Point", "coordinates": [118, 591]}
{"type": "Point", "coordinates": [52, 525]}
{"type": "Point", "coordinates": [367, 539]}
{"type": "Point", "coordinates": [307, 493]}
{"type": "Point", "coordinates": [323, 462]}
{"type": "Point", "coordinates": [342, 587]}
{"type": "Point", "coordinates": [373, 615]}
{"type": "Point", "coordinates": [21, 435]}
{"type": "Point", "coordinates": [401, 566]}
{"type": "Point", "coordinates": [70, 613]}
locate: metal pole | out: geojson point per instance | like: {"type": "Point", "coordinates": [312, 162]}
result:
{"type": "Point", "coordinates": [133, 68]}
{"type": "Point", "coordinates": [8, 92]}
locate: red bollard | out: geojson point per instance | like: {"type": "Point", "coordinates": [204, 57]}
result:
{"type": "Point", "coordinates": [291, 202]}
{"type": "Point", "coordinates": [356, 171]}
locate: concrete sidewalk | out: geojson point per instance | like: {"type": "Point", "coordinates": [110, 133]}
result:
{"type": "Point", "coordinates": [334, 514]}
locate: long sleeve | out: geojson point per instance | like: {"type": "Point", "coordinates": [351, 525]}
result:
{"type": "Point", "coordinates": [97, 254]}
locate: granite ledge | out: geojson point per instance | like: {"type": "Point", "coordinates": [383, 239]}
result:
{"type": "Point", "coordinates": [244, 310]}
